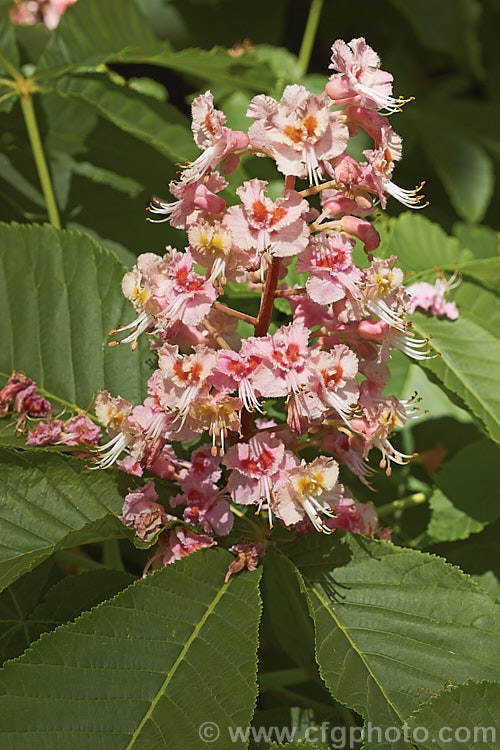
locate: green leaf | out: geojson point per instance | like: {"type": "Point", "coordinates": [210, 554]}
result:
{"type": "Point", "coordinates": [9, 59]}
{"type": "Point", "coordinates": [68, 598]}
{"type": "Point", "coordinates": [468, 180]}
{"type": "Point", "coordinates": [467, 496]}
{"type": "Point", "coordinates": [157, 123]}
{"type": "Point", "coordinates": [392, 623]}
{"type": "Point", "coordinates": [489, 582]}
{"type": "Point", "coordinates": [422, 246]}
{"type": "Point", "coordinates": [486, 271]}
{"type": "Point", "coordinates": [285, 611]}
{"type": "Point", "coordinates": [16, 603]}
{"type": "Point", "coordinates": [482, 240]}
{"type": "Point", "coordinates": [423, 249]}
{"type": "Point", "coordinates": [92, 32]}
{"type": "Point", "coordinates": [468, 367]}
{"type": "Point", "coordinates": [219, 68]}
{"type": "Point", "coordinates": [174, 650]}
{"type": "Point", "coordinates": [23, 618]}
{"type": "Point", "coordinates": [60, 295]}
{"type": "Point", "coordinates": [461, 716]}
{"type": "Point", "coordinates": [450, 26]}
{"type": "Point", "coordinates": [47, 503]}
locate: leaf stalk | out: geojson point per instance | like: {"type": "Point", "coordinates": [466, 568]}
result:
{"type": "Point", "coordinates": [26, 98]}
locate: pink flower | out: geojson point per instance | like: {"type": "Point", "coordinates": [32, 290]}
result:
{"type": "Point", "coordinates": [235, 371]}
{"type": "Point", "coordinates": [79, 430]}
{"type": "Point", "coordinates": [183, 377]}
{"type": "Point", "coordinates": [190, 295]}
{"type": "Point", "coordinates": [259, 467]}
{"type": "Point", "coordinates": [284, 361]}
{"type": "Point", "coordinates": [309, 491]}
{"type": "Point", "coordinates": [211, 135]}
{"type": "Point", "coordinates": [378, 173]}
{"type": "Point", "coordinates": [339, 445]}
{"type": "Point", "coordinates": [262, 225]}
{"type": "Point", "coordinates": [111, 411]}
{"type": "Point", "coordinates": [141, 512]}
{"type": "Point", "coordinates": [218, 413]}
{"type": "Point", "coordinates": [45, 433]}
{"type": "Point", "coordinates": [300, 132]}
{"type": "Point", "coordinates": [247, 557]}
{"type": "Point", "coordinates": [17, 382]}
{"type": "Point", "coordinates": [359, 518]}
{"type": "Point", "coordinates": [194, 199]}
{"type": "Point", "coordinates": [431, 297]}
{"type": "Point", "coordinates": [359, 79]}
{"type": "Point", "coordinates": [178, 542]}
{"type": "Point", "coordinates": [331, 271]}
{"type": "Point", "coordinates": [205, 507]}
{"type": "Point", "coordinates": [211, 244]}
{"type": "Point", "coordinates": [29, 12]}
{"type": "Point", "coordinates": [372, 430]}
{"type": "Point", "coordinates": [29, 404]}
{"type": "Point", "coordinates": [334, 379]}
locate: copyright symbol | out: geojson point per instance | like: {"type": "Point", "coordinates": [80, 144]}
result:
{"type": "Point", "coordinates": [209, 731]}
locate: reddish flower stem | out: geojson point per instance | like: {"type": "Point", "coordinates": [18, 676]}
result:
{"type": "Point", "coordinates": [235, 313]}
{"type": "Point", "coordinates": [216, 335]}
{"type": "Point", "coordinates": [262, 326]}
{"type": "Point", "coordinates": [267, 300]}
{"type": "Point", "coordinates": [290, 292]}
{"type": "Point", "coordinates": [265, 313]}
{"type": "Point", "coordinates": [315, 189]}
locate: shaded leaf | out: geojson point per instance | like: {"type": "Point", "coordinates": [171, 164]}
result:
{"type": "Point", "coordinates": [286, 613]}
{"type": "Point", "coordinates": [23, 618]}
{"type": "Point", "coordinates": [467, 495]}
{"type": "Point", "coordinates": [157, 123]}
{"type": "Point", "coordinates": [176, 649]}
{"type": "Point", "coordinates": [449, 26]}
{"type": "Point", "coordinates": [16, 603]}
{"type": "Point", "coordinates": [468, 180]}
{"type": "Point", "coordinates": [9, 59]}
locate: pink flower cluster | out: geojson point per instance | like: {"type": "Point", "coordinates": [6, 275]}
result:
{"type": "Point", "coordinates": [20, 395]}
{"type": "Point", "coordinates": [48, 12]}
{"type": "Point", "coordinates": [327, 366]}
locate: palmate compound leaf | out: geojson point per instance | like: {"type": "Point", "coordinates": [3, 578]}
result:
{"type": "Point", "coordinates": [393, 624]}
{"type": "Point", "coordinates": [60, 294]}
{"type": "Point", "coordinates": [460, 716]}
{"type": "Point", "coordinates": [144, 670]}
{"type": "Point", "coordinates": [50, 502]}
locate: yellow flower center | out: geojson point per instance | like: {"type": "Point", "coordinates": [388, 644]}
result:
{"type": "Point", "coordinates": [384, 283]}
{"type": "Point", "coordinates": [311, 485]}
